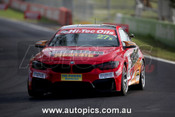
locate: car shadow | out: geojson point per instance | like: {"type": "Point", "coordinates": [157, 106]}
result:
{"type": "Point", "coordinates": [74, 95]}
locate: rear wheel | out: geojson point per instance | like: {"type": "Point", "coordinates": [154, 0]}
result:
{"type": "Point", "coordinates": [141, 84]}
{"type": "Point", "coordinates": [124, 82]}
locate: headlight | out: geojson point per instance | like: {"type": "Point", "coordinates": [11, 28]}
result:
{"type": "Point", "coordinates": [106, 75]}
{"type": "Point", "coordinates": [108, 65]}
{"type": "Point", "coordinates": [38, 65]}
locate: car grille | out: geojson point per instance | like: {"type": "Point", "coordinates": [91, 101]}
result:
{"type": "Point", "coordinates": [78, 68]}
{"type": "Point", "coordinates": [82, 68]}
{"type": "Point", "coordinates": [62, 68]}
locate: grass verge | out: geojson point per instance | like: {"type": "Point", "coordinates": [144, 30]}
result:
{"type": "Point", "coordinates": [17, 15]}
{"type": "Point", "coordinates": [152, 47]}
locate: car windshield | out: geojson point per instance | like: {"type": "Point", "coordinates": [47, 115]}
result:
{"type": "Point", "coordinates": [84, 39]}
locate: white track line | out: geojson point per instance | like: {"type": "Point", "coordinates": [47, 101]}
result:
{"type": "Point", "coordinates": [159, 59]}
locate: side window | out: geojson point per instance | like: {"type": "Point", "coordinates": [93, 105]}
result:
{"type": "Point", "coordinates": [124, 36]}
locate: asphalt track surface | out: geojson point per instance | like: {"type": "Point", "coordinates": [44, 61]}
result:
{"type": "Point", "coordinates": [16, 39]}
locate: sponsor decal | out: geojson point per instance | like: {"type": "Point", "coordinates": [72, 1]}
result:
{"type": "Point", "coordinates": [72, 54]}
{"type": "Point", "coordinates": [39, 75]}
{"type": "Point", "coordinates": [137, 75]}
{"type": "Point", "coordinates": [99, 31]}
{"type": "Point", "coordinates": [71, 77]}
{"type": "Point", "coordinates": [134, 57]}
{"type": "Point", "coordinates": [75, 53]}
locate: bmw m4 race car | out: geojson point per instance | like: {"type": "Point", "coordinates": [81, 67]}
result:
{"type": "Point", "coordinates": [82, 57]}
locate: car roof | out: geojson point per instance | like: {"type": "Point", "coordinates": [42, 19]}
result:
{"type": "Point", "coordinates": [105, 26]}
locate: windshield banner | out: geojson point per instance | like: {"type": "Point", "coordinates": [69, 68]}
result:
{"type": "Point", "coordinates": [97, 31]}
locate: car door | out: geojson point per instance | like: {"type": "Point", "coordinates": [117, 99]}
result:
{"type": "Point", "coordinates": [131, 56]}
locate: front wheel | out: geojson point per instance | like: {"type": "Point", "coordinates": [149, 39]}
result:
{"type": "Point", "coordinates": [33, 93]}
{"type": "Point", "coordinates": [124, 82]}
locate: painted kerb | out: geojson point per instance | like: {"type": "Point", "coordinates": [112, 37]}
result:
{"type": "Point", "coordinates": [162, 31]}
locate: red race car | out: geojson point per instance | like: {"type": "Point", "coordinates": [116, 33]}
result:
{"type": "Point", "coordinates": [83, 57]}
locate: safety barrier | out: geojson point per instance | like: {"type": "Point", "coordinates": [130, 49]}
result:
{"type": "Point", "coordinates": [66, 17]}
{"type": "Point", "coordinates": [3, 6]}
{"type": "Point", "coordinates": [32, 15]}
{"type": "Point", "coordinates": [45, 11]}
{"type": "Point", "coordinates": [161, 31]}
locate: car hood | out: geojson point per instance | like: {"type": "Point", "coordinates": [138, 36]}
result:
{"type": "Point", "coordinates": [83, 54]}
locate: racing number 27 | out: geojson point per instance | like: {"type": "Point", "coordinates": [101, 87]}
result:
{"type": "Point", "coordinates": [104, 37]}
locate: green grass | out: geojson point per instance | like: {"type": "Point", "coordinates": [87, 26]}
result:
{"type": "Point", "coordinates": [115, 3]}
{"type": "Point", "coordinates": [17, 15]}
{"type": "Point", "coordinates": [102, 14]}
{"type": "Point", "coordinates": [12, 14]}
{"type": "Point", "coordinates": [152, 47]}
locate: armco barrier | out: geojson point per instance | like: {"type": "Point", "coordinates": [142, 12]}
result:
{"type": "Point", "coordinates": [3, 6]}
{"type": "Point", "coordinates": [66, 17]}
{"type": "Point", "coordinates": [32, 15]}
{"type": "Point", "coordinates": [48, 12]}
{"type": "Point", "coordinates": [161, 31]}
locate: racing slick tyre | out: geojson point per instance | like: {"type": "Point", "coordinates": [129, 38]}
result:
{"type": "Point", "coordinates": [141, 84]}
{"type": "Point", "coordinates": [34, 93]}
{"type": "Point", "coordinates": [124, 82]}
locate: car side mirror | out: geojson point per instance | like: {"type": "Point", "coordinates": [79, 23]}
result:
{"type": "Point", "coordinates": [41, 44]}
{"type": "Point", "coordinates": [129, 44]}
{"type": "Point", "coordinates": [131, 35]}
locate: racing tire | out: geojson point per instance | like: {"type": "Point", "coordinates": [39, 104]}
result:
{"type": "Point", "coordinates": [124, 82]}
{"type": "Point", "coordinates": [34, 93]}
{"type": "Point", "coordinates": [141, 84]}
